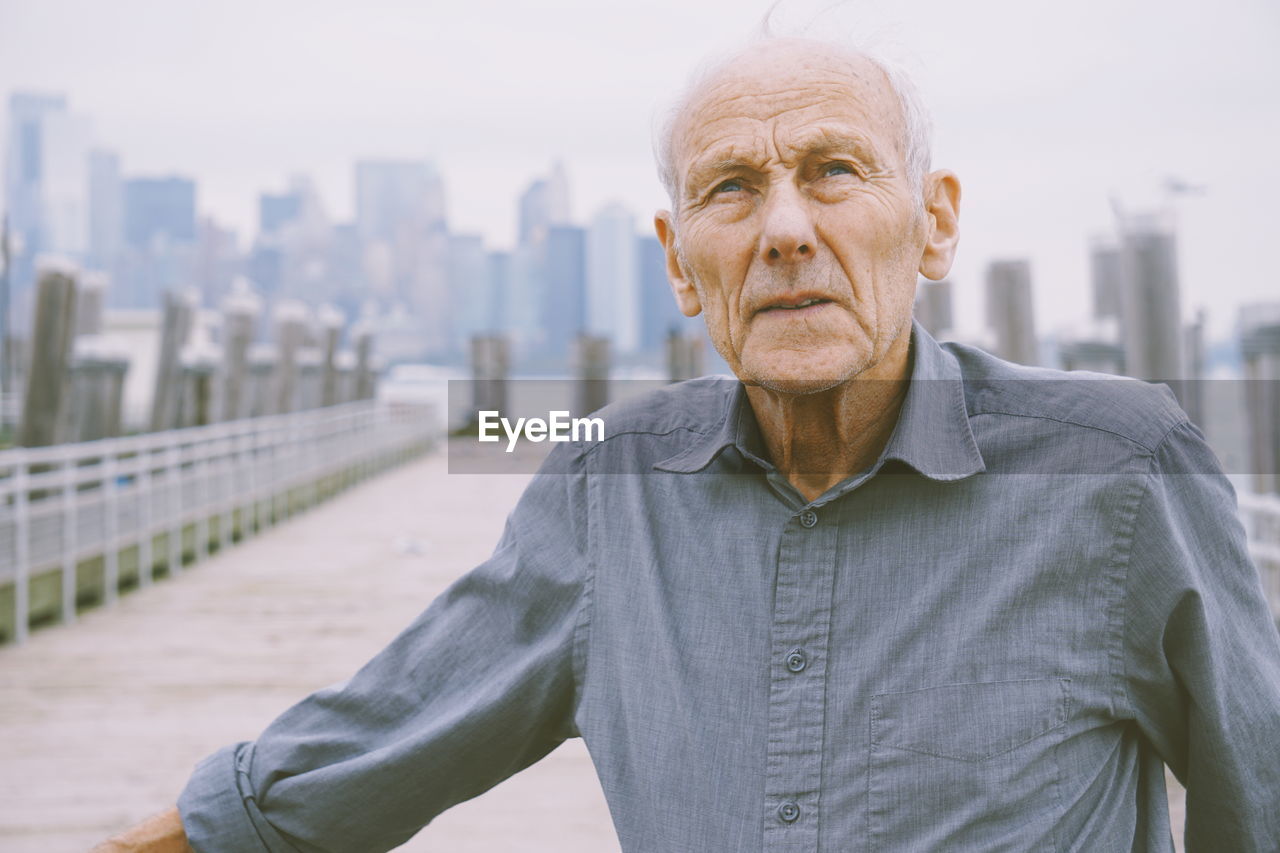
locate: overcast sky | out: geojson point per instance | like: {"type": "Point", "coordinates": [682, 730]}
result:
{"type": "Point", "coordinates": [1045, 110]}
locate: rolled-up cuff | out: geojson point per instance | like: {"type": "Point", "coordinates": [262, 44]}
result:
{"type": "Point", "coordinates": [219, 810]}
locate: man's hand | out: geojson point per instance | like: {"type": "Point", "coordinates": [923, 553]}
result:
{"type": "Point", "coordinates": [160, 834]}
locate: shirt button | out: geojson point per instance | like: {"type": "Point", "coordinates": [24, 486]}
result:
{"type": "Point", "coordinates": [788, 812]}
{"type": "Point", "coordinates": [796, 661]}
{"type": "Point", "coordinates": [808, 518]}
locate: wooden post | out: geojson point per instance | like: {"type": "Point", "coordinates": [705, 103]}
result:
{"type": "Point", "coordinates": [310, 378]}
{"type": "Point", "coordinates": [179, 310]}
{"type": "Point", "coordinates": [366, 375]}
{"type": "Point", "coordinates": [331, 322]}
{"type": "Point", "coordinates": [89, 304]}
{"type": "Point", "coordinates": [344, 368]}
{"type": "Point", "coordinates": [239, 320]}
{"type": "Point", "coordinates": [684, 356]}
{"type": "Point", "coordinates": [96, 382]}
{"type": "Point", "coordinates": [16, 369]}
{"type": "Point", "coordinates": [262, 371]}
{"type": "Point", "coordinates": [490, 361]}
{"type": "Point", "coordinates": [197, 401]}
{"type": "Point", "coordinates": [50, 352]}
{"type": "Point", "coordinates": [593, 373]}
{"type": "Point", "coordinates": [291, 335]}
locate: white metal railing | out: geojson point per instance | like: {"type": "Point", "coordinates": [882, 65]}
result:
{"type": "Point", "coordinates": [1261, 517]}
{"type": "Point", "coordinates": [65, 504]}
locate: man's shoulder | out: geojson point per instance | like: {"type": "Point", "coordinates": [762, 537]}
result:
{"type": "Point", "coordinates": [1139, 412]}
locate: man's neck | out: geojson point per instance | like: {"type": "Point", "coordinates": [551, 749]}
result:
{"type": "Point", "coordinates": [819, 440]}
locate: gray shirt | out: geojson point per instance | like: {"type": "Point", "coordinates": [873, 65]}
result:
{"type": "Point", "coordinates": [993, 638]}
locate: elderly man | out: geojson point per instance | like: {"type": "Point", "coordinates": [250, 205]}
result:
{"type": "Point", "coordinates": [880, 594]}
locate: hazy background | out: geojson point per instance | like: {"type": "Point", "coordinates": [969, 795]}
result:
{"type": "Point", "coordinates": [1044, 110]}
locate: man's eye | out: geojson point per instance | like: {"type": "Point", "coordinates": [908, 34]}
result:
{"type": "Point", "coordinates": [730, 186]}
{"type": "Point", "coordinates": [832, 169]}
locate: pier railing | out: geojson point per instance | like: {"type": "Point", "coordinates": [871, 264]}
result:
{"type": "Point", "coordinates": [81, 522]}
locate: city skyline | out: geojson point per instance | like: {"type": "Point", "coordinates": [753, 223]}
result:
{"type": "Point", "coordinates": [1044, 114]}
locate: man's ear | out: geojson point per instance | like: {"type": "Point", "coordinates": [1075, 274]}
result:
{"type": "Point", "coordinates": [942, 212]}
{"type": "Point", "coordinates": [681, 285]}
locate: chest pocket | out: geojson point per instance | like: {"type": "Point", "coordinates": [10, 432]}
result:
{"type": "Point", "coordinates": [967, 766]}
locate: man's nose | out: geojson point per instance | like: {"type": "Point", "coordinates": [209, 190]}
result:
{"type": "Point", "coordinates": [787, 234]}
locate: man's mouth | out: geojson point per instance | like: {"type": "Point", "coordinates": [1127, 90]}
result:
{"type": "Point", "coordinates": [795, 305]}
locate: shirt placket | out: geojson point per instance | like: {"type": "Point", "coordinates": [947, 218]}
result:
{"type": "Point", "coordinates": [798, 678]}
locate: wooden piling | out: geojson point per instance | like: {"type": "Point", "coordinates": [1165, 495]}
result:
{"type": "Point", "coordinates": [490, 362]}
{"type": "Point", "coordinates": [684, 356]}
{"type": "Point", "coordinates": [291, 331]}
{"type": "Point", "coordinates": [366, 370]}
{"type": "Point", "coordinates": [592, 358]}
{"type": "Point", "coordinates": [51, 337]}
{"type": "Point", "coordinates": [310, 378]}
{"type": "Point", "coordinates": [198, 397]}
{"type": "Point", "coordinates": [240, 314]}
{"type": "Point", "coordinates": [330, 321]}
{"type": "Point", "coordinates": [262, 370]}
{"type": "Point", "coordinates": [344, 368]}
{"type": "Point", "coordinates": [89, 304]}
{"type": "Point", "coordinates": [96, 382]}
{"type": "Point", "coordinates": [178, 316]}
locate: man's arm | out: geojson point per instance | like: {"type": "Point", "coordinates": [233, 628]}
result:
{"type": "Point", "coordinates": [1202, 653]}
{"type": "Point", "coordinates": [162, 833]}
{"type": "Point", "coordinates": [481, 685]}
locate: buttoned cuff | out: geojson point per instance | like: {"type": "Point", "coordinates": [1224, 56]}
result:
{"type": "Point", "coordinates": [219, 810]}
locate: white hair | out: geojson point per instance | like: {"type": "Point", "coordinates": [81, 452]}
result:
{"type": "Point", "coordinates": [916, 124]}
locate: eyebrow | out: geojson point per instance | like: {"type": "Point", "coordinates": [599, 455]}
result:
{"type": "Point", "coordinates": [826, 140]}
{"type": "Point", "coordinates": [815, 141]}
{"type": "Point", "coordinates": [723, 162]}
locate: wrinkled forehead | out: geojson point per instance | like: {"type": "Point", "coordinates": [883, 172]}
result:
{"type": "Point", "coordinates": [778, 91]}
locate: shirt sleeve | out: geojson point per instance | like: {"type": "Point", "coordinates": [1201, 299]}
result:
{"type": "Point", "coordinates": [478, 687]}
{"type": "Point", "coordinates": [1202, 652]}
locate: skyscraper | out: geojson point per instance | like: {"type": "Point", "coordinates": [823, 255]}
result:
{"type": "Point", "coordinates": [613, 303]}
{"type": "Point", "coordinates": [25, 167]}
{"type": "Point", "coordinates": [46, 189]}
{"type": "Point", "coordinates": [217, 261]}
{"type": "Point", "coordinates": [394, 195]}
{"type": "Point", "coordinates": [1106, 277]}
{"type": "Point", "coordinates": [534, 214]}
{"type": "Point", "coordinates": [64, 184]}
{"type": "Point", "coordinates": [499, 273]}
{"type": "Point", "coordinates": [565, 297]}
{"type": "Point", "coordinates": [470, 296]}
{"type": "Point", "coordinates": [526, 289]}
{"type": "Point", "coordinates": [106, 209]}
{"type": "Point", "coordinates": [275, 210]}
{"type": "Point", "coordinates": [933, 306]}
{"type": "Point", "coordinates": [543, 204]}
{"type": "Point", "coordinates": [400, 217]}
{"type": "Point", "coordinates": [1150, 303]}
{"type": "Point", "coordinates": [159, 211]}
{"type": "Point", "coordinates": [1010, 313]}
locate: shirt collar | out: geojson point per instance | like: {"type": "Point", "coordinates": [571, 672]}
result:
{"type": "Point", "coordinates": [932, 434]}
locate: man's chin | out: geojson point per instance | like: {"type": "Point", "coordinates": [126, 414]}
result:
{"type": "Point", "coordinates": [796, 384]}
{"type": "Point", "coordinates": [787, 374]}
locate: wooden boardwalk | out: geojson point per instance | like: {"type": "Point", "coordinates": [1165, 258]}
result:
{"type": "Point", "coordinates": [101, 722]}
